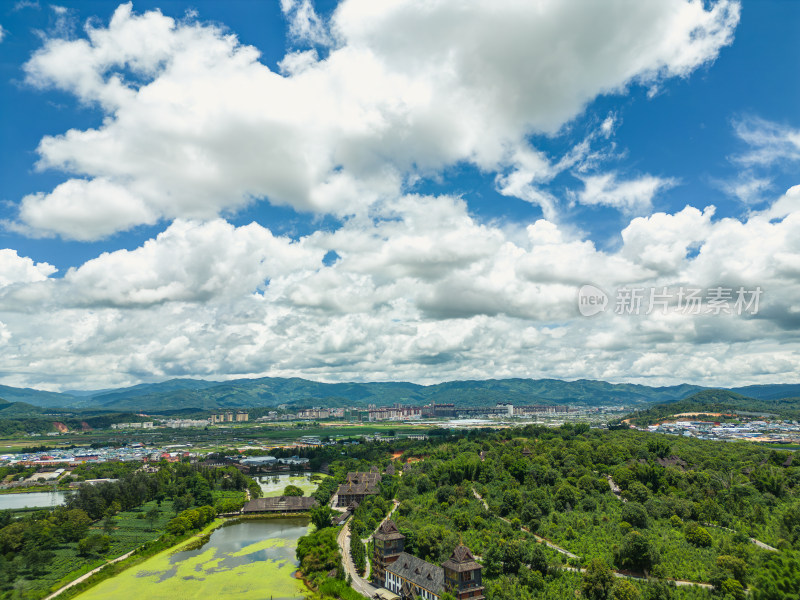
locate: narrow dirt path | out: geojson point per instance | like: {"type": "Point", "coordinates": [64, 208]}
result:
{"type": "Point", "coordinates": [753, 540]}
{"type": "Point", "coordinates": [87, 575]}
{"type": "Point", "coordinates": [617, 574]}
{"type": "Point", "coordinates": [615, 489]}
{"type": "Point", "coordinates": [549, 544]}
{"type": "Point", "coordinates": [538, 538]}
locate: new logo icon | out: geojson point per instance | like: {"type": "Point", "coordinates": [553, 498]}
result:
{"type": "Point", "coordinates": [591, 300]}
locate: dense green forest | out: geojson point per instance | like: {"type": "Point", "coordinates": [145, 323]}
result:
{"type": "Point", "coordinates": [686, 511]}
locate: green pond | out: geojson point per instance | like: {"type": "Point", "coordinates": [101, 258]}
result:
{"type": "Point", "coordinates": [273, 485]}
{"type": "Point", "coordinates": [248, 559]}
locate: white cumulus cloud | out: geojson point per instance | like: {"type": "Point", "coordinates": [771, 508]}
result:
{"type": "Point", "coordinates": [21, 269]}
{"type": "Point", "coordinates": [632, 196]}
{"type": "Point", "coordinates": [196, 125]}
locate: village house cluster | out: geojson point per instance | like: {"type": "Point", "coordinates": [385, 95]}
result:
{"type": "Point", "coordinates": [757, 430]}
{"type": "Point", "coordinates": [400, 412]}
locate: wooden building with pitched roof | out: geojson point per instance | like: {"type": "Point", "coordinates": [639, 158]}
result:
{"type": "Point", "coordinates": [411, 577]}
{"type": "Point", "coordinates": [358, 486]}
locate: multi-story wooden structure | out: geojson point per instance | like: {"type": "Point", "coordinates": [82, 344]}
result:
{"type": "Point", "coordinates": [411, 577]}
{"type": "Point", "coordinates": [389, 543]}
{"type": "Point", "coordinates": [462, 575]}
{"type": "Point", "coordinates": [358, 486]}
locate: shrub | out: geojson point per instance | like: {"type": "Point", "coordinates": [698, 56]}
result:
{"type": "Point", "coordinates": [179, 525]}
{"type": "Point", "coordinates": [597, 581]}
{"type": "Point", "coordinates": [636, 492]}
{"type": "Point", "coordinates": [635, 514]}
{"type": "Point", "coordinates": [635, 552]}
{"type": "Point", "coordinates": [94, 544]}
{"type": "Point", "coordinates": [729, 567]}
{"type": "Point", "coordinates": [292, 490]}
{"type": "Point", "coordinates": [733, 588]}
{"type": "Point", "coordinates": [697, 535]}
{"type": "Point", "coordinates": [625, 590]}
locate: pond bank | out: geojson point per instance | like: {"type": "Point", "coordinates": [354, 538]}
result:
{"type": "Point", "coordinates": [241, 559]}
{"type": "Point", "coordinates": [132, 558]}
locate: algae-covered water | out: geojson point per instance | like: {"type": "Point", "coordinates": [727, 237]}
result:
{"type": "Point", "coordinates": [273, 485]}
{"type": "Point", "coordinates": [246, 560]}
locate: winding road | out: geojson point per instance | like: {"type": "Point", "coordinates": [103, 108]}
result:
{"type": "Point", "coordinates": [358, 583]}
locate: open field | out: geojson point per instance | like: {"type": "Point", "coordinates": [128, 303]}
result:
{"type": "Point", "coordinates": [214, 437]}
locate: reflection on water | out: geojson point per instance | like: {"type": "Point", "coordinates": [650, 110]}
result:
{"type": "Point", "coordinates": [241, 543]}
{"type": "Point", "coordinates": [31, 500]}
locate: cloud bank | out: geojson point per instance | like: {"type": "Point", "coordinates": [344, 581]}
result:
{"type": "Point", "coordinates": [405, 285]}
{"type": "Point", "coordinates": [430, 294]}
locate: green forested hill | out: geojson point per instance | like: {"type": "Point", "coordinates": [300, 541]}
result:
{"type": "Point", "coordinates": [18, 417]}
{"type": "Point", "coordinates": [183, 394]}
{"type": "Point", "coordinates": [271, 391]}
{"type": "Point", "coordinates": [38, 397]}
{"type": "Point", "coordinates": [719, 401]}
{"type": "Point", "coordinates": [770, 392]}
{"type": "Point", "coordinates": [660, 508]}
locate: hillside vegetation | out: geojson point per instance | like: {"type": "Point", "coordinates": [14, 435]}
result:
{"type": "Point", "coordinates": [686, 510]}
{"type": "Point", "coordinates": [724, 402]}
{"type": "Point", "coordinates": [178, 394]}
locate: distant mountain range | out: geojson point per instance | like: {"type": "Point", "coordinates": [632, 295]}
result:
{"type": "Point", "coordinates": [184, 394]}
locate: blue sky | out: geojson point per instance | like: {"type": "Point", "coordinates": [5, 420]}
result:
{"type": "Point", "coordinates": [177, 185]}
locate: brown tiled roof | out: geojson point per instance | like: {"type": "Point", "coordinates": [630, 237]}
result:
{"type": "Point", "coordinates": [388, 531]}
{"type": "Point", "coordinates": [461, 560]}
{"type": "Point", "coordinates": [338, 520]}
{"type": "Point", "coordinates": [280, 504]}
{"type": "Point", "coordinates": [360, 484]}
{"type": "Point", "coordinates": [671, 461]}
{"type": "Point", "coordinates": [350, 488]}
{"type": "Point", "coordinates": [359, 477]}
